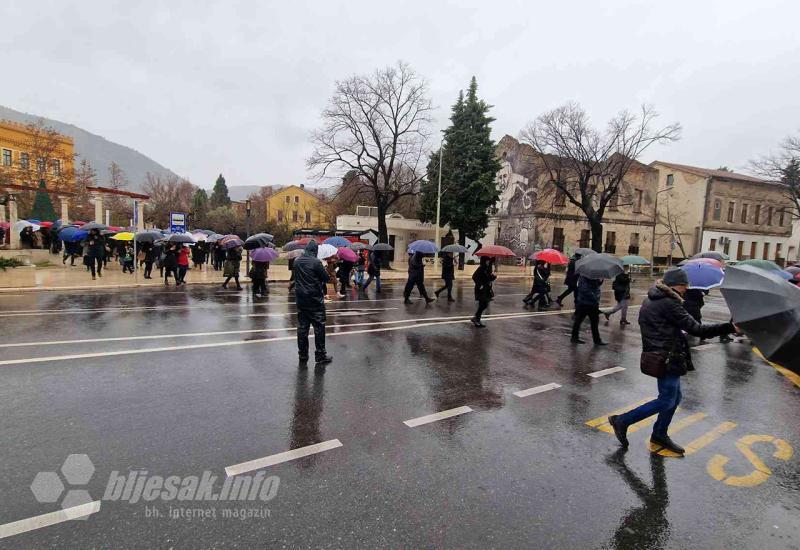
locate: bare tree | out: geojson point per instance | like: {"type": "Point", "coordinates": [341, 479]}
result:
{"type": "Point", "coordinates": [585, 166]}
{"type": "Point", "coordinates": [672, 220]}
{"type": "Point", "coordinates": [376, 127]}
{"type": "Point", "coordinates": [85, 176]}
{"type": "Point", "coordinates": [783, 167]}
{"type": "Point", "coordinates": [167, 194]}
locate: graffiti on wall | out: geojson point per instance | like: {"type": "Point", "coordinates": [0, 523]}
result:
{"type": "Point", "coordinates": [515, 211]}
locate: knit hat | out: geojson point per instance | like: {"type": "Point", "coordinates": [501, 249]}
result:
{"type": "Point", "coordinates": [675, 277]}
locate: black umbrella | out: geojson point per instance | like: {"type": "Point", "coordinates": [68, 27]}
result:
{"type": "Point", "coordinates": [455, 249]}
{"type": "Point", "coordinates": [767, 309]}
{"type": "Point", "coordinates": [712, 254]}
{"type": "Point", "coordinates": [148, 236]}
{"type": "Point", "coordinates": [260, 240]}
{"type": "Point", "coordinates": [599, 266]}
{"type": "Point", "coordinates": [359, 246]}
{"type": "Point", "coordinates": [181, 238]}
{"type": "Point", "coordinates": [584, 251]}
{"type": "Point", "coordinates": [379, 247]}
{"type": "Point", "coordinates": [93, 225]}
{"type": "Point", "coordinates": [293, 245]}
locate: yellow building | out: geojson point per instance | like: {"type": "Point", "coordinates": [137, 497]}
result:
{"type": "Point", "coordinates": [32, 152]}
{"type": "Point", "coordinates": [297, 208]}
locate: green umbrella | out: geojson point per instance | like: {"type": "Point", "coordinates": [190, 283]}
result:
{"type": "Point", "coordinates": [634, 260]}
{"type": "Point", "coordinates": [762, 264]}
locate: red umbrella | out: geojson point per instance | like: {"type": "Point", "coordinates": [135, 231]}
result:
{"type": "Point", "coordinates": [495, 251]}
{"type": "Point", "coordinates": [46, 224]}
{"type": "Point", "coordinates": [551, 256]}
{"type": "Point", "coordinates": [78, 223]}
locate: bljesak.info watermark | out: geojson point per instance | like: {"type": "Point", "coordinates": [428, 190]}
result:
{"type": "Point", "coordinates": [205, 497]}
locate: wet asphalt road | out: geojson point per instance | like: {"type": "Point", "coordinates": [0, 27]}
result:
{"type": "Point", "coordinates": [175, 382]}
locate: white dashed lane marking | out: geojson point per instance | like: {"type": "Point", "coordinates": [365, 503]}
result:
{"type": "Point", "coordinates": [271, 460]}
{"type": "Point", "coordinates": [414, 422]}
{"type": "Point", "coordinates": [605, 372]}
{"type": "Point", "coordinates": [537, 389]}
{"type": "Point", "coordinates": [46, 520]}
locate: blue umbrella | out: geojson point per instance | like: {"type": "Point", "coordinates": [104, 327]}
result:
{"type": "Point", "coordinates": [336, 241]}
{"type": "Point", "coordinates": [426, 247]}
{"type": "Point", "coordinates": [72, 234]}
{"type": "Point", "coordinates": [703, 276]}
{"type": "Point", "coordinates": [58, 225]}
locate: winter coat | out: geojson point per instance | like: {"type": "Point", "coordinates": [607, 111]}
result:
{"type": "Point", "coordinates": [448, 268]}
{"type": "Point", "coordinates": [571, 279]}
{"type": "Point", "coordinates": [170, 259]}
{"type": "Point", "coordinates": [416, 266]}
{"type": "Point", "coordinates": [96, 246]}
{"type": "Point", "coordinates": [622, 287]}
{"type": "Point", "coordinates": [310, 278]}
{"type": "Point", "coordinates": [588, 292]}
{"type": "Point", "coordinates": [693, 302]}
{"type": "Point", "coordinates": [374, 267]}
{"type": "Point", "coordinates": [540, 276]}
{"type": "Point", "coordinates": [233, 255]}
{"type": "Point", "coordinates": [483, 278]}
{"type": "Point", "coordinates": [183, 257]}
{"type": "Point", "coordinates": [663, 319]}
{"type": "Point", "coordinates": [345, 268]}
{"type": "Point", "coordinates": [259, 270]}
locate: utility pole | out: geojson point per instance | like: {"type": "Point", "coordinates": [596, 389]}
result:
{"type": "Point", "coordinates": [439, 193]}
{"type": "Point", "coordinates": [247, 206]}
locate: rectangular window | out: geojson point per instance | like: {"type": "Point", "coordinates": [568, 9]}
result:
{"type": "Point", "coordinates": [56, 167]}
{"type": "Point", "coordinates": [586, 235]}
{"type": "Point", "coordinates": [280, 215]}
{"type": "Point", "coordinates": [288, 198]}
{"type": "Point", "coordinates": [6, 157]}
{"type": "Point", "coordinates": [782, 217]}
{"type": "Point", "coordinates": [294, 216]}
{"type": "Point", "coordinates": [611, 242]}
{"type": "Point", "coordinates": [757, 219]}
{"type": "Point", "coordinates": [769, 215]}
{"type": "Point", "coordinates": [778, 247]}
{"type": "Point", "coordinates": [744, 213]}
{"type": "Point", "coordinates": [713, 245]}
{"type": "Point", "coordinates": [634, 246]}
{"type": "Point", "coordinates": [24, 161]}
{"type": "Point", "coordinates": [558, 238]}
{"type": "Point", "coordinates": [726, 248]}
{"type": "Point", "coordinates": [753, 246]}
{"type": "Point", "coordinates": [637, 205]}
{"type": "Point", "coordinates": [739, 251]}
{"type": "Point", "coordinates": [296, 199]}
{"type": "Point", "coordinates": [766, 251]}
{"type": "Point", "coordinates": [308, 217]}
{"type": "Point", "coordinates": [731, 211]}
{"type": "Point", "coordinates": [717, 211]}
{"type": "Point", "coordinates": [670, 180]}
{"type": "Point", "coordinates": [41, 165]}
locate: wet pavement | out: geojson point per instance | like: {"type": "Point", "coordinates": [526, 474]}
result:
{"type": "Point", "coordinates": [154, 383]}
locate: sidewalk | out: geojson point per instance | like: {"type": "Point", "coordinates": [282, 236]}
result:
{"type": "Point", "coordinates": [77, 278]}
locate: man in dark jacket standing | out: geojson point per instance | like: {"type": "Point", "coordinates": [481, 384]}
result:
{"type": "Point", "coordinates": [416, 276]}
{"type": "Point", "coordinates": [663, 320]}
{"type": "Point", "coordinates": [310, 279]}
{"type": "Point", "coordinates": [96, 252]}
{"type": "Point", "coordinates": [587, 304]}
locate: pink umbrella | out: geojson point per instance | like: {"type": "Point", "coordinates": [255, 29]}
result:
{"type": "Point", "coordinates": [347, 255]}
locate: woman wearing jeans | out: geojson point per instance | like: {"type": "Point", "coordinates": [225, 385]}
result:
{"type": "Point", "coordinates": [663, 320]}
{"type": "Point", "coordinates": [622, 294]}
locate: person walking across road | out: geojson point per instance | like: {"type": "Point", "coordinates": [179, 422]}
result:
{"type": "Point", "coordinates": [665, 355]}
{"type": "Point", "coordinates": [311, 278]}
{"type": "Point", "coordinates": [448, 274]}
{"type": "Point", "coordinates": [233, 260]}
{"type": "Point", "coordinates": [570, 280]}
{"type": "Point", "coordinates": [374, 271]}
{"type": "Point", "coordinates": [622, 294]}
{"type": "Point", "coordinates": [587, 304]}
{"type": "Point", "coordinates": [361, 267]}
{"type": "Point", "coordinates": [343, 274]}
{"type": "Point", "coordinates": [484, 293]}
{"type": "Point", "coordinates": [170, 264]}
{"type": "Point", "coordinates": [95, 252]}
{"type": "Point", "coordinates": [416, 277]}
{"type": "Point", "coordinates": [183, 264]}
{"type": "Point", "coordinates": [258, 274]}
{"type": "Point", "coordinates": [540, 288]}
{"type": "Point", "coordinates": [149, 258]}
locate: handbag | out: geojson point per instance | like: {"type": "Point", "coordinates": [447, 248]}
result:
{"type": "Point", "coordinates": [657, 363]}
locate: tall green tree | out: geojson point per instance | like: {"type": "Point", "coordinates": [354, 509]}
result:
{"type": "Point", "coordinates": [42, 205]}
{"type": "Point", "coordinates": [199, 206]}
{"type": "Point", "coordinates": [468, 167]}
{"type": "Point", "coordinates": [219, 196]}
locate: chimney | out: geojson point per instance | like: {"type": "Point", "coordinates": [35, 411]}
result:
{"type": "Point", "coordinates": [302, 186]}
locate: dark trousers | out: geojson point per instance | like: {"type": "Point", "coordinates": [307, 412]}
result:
{"type": "Point", "coordinates": [181, 276]}
{"type": "Point", "coordinates": [569, 290]}
{"type": "Point", "coordinates": [96, 265]}
{"type": "Point", "coordinates": [539, 298]}
{"type": "Point", "coordinates": [259, 285]}
{"type": "Point", "coordinates": [482, 305]}
{"type": "Point", "coordinates": [235, 278]}
{"type": "Point", "coordinates": [170, 271]}
{"type": "Point", "coordinates": [148, 269]}
{"type": "Point", "coordinates": [305, 319]}
{"type": "Point", "coordinates": [582, 312]}
{"type": "Point", "coordinates": [376, 278]}
{"type": "Point", "coordinates": [419, 282]}
{"type": "Point", "coordinates": [448, 286]}
{"type": "Point", "coordinates": [669, 397]}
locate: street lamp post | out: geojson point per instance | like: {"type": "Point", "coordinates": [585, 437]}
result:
{"type": "Point", "coordinates": [655, 223]}
{"type": "Point", "coordinates": [439, 195]}
{"type": "Point", "coordinates": [247, 206]}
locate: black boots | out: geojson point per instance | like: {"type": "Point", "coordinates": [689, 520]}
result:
{"type": "Point", "coordinates": [666, 443]}
{"type": "Point", "coordinates": [619, 430]}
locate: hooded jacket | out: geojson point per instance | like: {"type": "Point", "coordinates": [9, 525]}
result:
{"type": "Point", "coordinates": [662, 319]}
{"type": "Point", "coordinates": [310, 278]}
{"type": "Point", "coordinates": [588, 292]}
{"type": "Point", "coordinates": [416, 266]}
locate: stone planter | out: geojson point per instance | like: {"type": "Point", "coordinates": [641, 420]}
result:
{"type": "Point", "coordinates": [18, 277]}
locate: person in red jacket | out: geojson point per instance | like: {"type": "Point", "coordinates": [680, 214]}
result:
{"type": "Point", "coordinates": [183, 265]}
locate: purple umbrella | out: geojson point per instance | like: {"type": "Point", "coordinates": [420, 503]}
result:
{"type": "Point", "coordinates": [230, 241]}
{"type": "Point", "coordinates": [264, 255]}
{"type": "Point", "coordinates": [703, 276]}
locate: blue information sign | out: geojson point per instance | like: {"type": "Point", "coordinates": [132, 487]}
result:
{"type": "Point", "coordinates": [177, 222]}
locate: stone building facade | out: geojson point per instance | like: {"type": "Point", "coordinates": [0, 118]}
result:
{"type": "Point", "coordinates": [703, 209]}
{"type": "Point", "coordinates": [529, 216]}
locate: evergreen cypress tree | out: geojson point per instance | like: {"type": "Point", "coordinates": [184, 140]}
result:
{"type": "Point", "coordinates": [200, 205]}
{"type": "Point", "coordinates": [468, 171]}
{"type": "Point", "coordinates": [42, 205]}
{"type": "Point", "coordinates": [219, 196]}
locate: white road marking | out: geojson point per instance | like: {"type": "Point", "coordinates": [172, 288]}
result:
{"type": "Point", "coordinates": [537, 389]}
{"type": "Point", "coordinates": [427, 419]}
{"type": "Point", "coordinates": [46, 520]}
{"type": "Point", "coordinates": [271, 460]}
{"type": "Point", "coordinates": [336, 311]}
{"type": "Point", "coordinates": [412, 325]}
{"type": "Point", "coordinates": [605, 372]}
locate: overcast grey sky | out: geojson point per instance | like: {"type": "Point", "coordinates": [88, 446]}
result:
{"type": "Point", "coordinates": [236, 87]}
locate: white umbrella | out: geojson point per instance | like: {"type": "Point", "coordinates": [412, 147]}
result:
{"type": "Point", "coordinates": [199, 236]}
{"type": "Point", "coordinates": [326, 251]}
{"type": "Point", "coordinates": [22, 224]}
